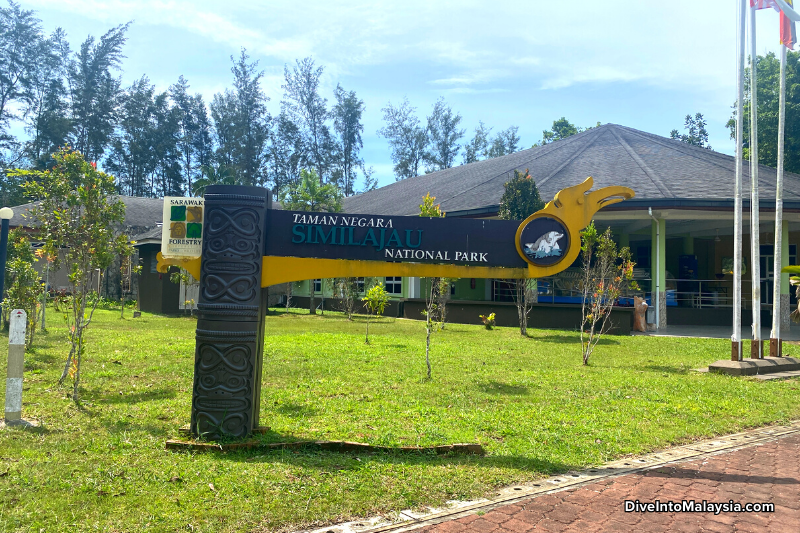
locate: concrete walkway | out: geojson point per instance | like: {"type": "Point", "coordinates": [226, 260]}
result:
{"type": "Point", "coordinates": [757, 466]}
{"type": "Point", "coordinates": [718, 332]}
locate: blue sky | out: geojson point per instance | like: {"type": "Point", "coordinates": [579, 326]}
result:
{"type": "Point", "coordinates": [639, 64]}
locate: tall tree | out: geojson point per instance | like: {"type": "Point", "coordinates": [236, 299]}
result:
{"type": "Point", "coordinates": [697, 134]}
{"type": "Point", "coordinates": [167, 179]}
{"type": "Point", "coordinates": [94, 91]}
{"type": "Point", "coordinates": [241, 122]}
{"type": "Point", "coordinates": [224, 115]}
{"type": "Point", "coordinates": [443, 137]}
{"type": "Point", "coordinates": [311, 195]}
{"type": "Point", "coordinates": [520, 200]}
{"type": "Point", "coordinates": [285, 154]}
{"type": "Point", "coordinates": [308, 110]}
{"type": "Point", "coordinates": [476, 149]}
{"type": "Point", "coordinates": [188, 129]}
{"type": "Point", "coordinates": [520, 197]}
{"type": "Point", "coordinates": [252, 103]}
{"type": "Point", "coordinates": [561, 129]}
{"type": "Point", "coordinates": [504, 143]}
{"type": "Point", "coordinates": [46, 113]}
{"type": "Point", "coordinates": [768, 70]}
{"type": "Point", "coordinates": [202, 143]}
{"type": "Point", "coordinates": [20, 50]}
{"type": "Point", "coordinates": [347, 123]}
{"type": "Point", "coordinates": [132, 157]}
{"type": "Point", "coordinates": [406, 137]}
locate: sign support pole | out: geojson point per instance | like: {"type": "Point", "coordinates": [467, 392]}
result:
{"type": "Point", "coordinates": [231, 310]}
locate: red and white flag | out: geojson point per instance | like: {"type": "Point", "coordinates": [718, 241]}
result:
{"type": "Point", "coordinates": [764, 4]}
{"type": "Point", "coordinates": [788, 34]}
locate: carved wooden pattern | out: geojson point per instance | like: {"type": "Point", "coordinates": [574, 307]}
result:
{"type": "Point", "coordinates": [231, 309]}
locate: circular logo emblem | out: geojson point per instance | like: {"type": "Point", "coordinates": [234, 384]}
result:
{"type": "Point", "coordinates": [544, 241]}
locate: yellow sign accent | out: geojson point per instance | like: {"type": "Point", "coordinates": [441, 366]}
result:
{"type": "Point", "coordinates": [574, 207]}
{"type": "Point", "coordinates": [277, 269]}
{"type": "Point", "coordinates": [191, 265]}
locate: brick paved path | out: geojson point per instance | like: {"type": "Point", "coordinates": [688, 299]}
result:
{"type": "Point", "coordinates": [766, 473]}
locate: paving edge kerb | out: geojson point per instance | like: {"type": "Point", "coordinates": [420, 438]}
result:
{"type": "Point", "coordinates": [406, 520]}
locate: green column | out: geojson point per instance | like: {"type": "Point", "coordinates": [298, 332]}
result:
{"type": "Point", "coordinates": [659, 268]}
{"type": "Point", "coordinates": [785, 257]}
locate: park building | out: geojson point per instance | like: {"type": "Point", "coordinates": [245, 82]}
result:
{"type": "Point", "coordinates": [688, 238]}
{"type": "Point", "coordinates": [679, 224]}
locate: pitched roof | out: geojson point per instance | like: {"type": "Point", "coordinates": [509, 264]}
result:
{"type": "Point", "coordinates": [148, 237]}
{"type": "Point", "coordinates": [655, 167]}
{"type": "Point", "coordinates": [139, 212]}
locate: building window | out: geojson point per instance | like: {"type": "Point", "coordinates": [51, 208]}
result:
{"type": "Point", "coordinates": [317, 285]}
{"type": "Point", "coordinates": [394, 285]}
{"type": "Point", "coordinates": [153, 264]}
{"type": "Point", "coordinates": [360, 285]}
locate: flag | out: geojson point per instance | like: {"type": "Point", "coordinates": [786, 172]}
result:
{"type": "Point", "coordinates": [788, 34]}
{"type": "Point", "coordinates": [764, 4]}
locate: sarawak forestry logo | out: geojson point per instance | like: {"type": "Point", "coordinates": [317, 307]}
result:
{"type": "Point", "coordinates": [182, 233]}
{"type": "Point", "coordinates": [544, 241]}
{"type": "Point", "coordinates": [185, 222]}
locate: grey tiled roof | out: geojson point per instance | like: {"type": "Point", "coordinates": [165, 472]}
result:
{"type": "Point", "coordinates": [139, 212]}
{"type": "Point", "coordinates": [149, 235]}
{"type": "Point", "coordinates": [654, 167]}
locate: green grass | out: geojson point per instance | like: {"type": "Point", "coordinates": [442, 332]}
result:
{"type": "Point", "coordinates": [529, 402]}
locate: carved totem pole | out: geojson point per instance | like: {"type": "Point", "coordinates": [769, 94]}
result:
{"type": "Point", "coordinates": [231, 309]}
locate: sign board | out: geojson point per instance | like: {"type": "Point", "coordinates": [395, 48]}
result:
{"type": "Point", "coordinates": [302, 245]}
{"type": "Point", "coordinates": [459, 241]}
{"type": "Point", "coordinates": [182, 231]}
{"type": "Point", "coordinates": [249, 246]}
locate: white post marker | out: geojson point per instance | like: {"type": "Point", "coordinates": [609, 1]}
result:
{"type": "Point", "coordinates": [16, 358]}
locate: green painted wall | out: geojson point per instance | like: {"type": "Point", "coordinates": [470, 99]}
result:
{"type": "Point", "coordinates": [785, 256]}
{"type": "Point", "coordinates": [302, 288]}
{"type": "Point", "coordinates": [464, 292]}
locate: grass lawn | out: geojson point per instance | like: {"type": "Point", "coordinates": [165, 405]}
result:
{"type": "Point", "coordinates": [529, 402]}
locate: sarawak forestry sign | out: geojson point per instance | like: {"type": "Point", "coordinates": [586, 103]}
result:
{"type": "Point", "coordinates": [247, 246]}
{"type": "Point", "coordinates": [182, 232]}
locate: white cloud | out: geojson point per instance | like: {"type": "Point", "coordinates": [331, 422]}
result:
{"type": "Point", "coordinates": [679, 49]}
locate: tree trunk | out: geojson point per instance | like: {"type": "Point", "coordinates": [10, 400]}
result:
{"type": "Point", "coordinates": [521, 288]}
{"type": "Point", "coordinates": [312, 308]}
{"type": "Point", "coordinates": [77, 369]}
{"type": "Point", "coordinates": [428, 348]}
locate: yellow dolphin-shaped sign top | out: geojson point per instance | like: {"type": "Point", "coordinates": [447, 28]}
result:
{"type": "Point", "coordinates": [573, 207]}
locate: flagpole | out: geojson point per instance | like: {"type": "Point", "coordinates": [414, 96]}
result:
{"type": "Point", "coordinates": [736, 337]}
{"type": "Point", "coordinates": [756, 347]}
{"type": "Point", "coordinates": [775, 343]}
